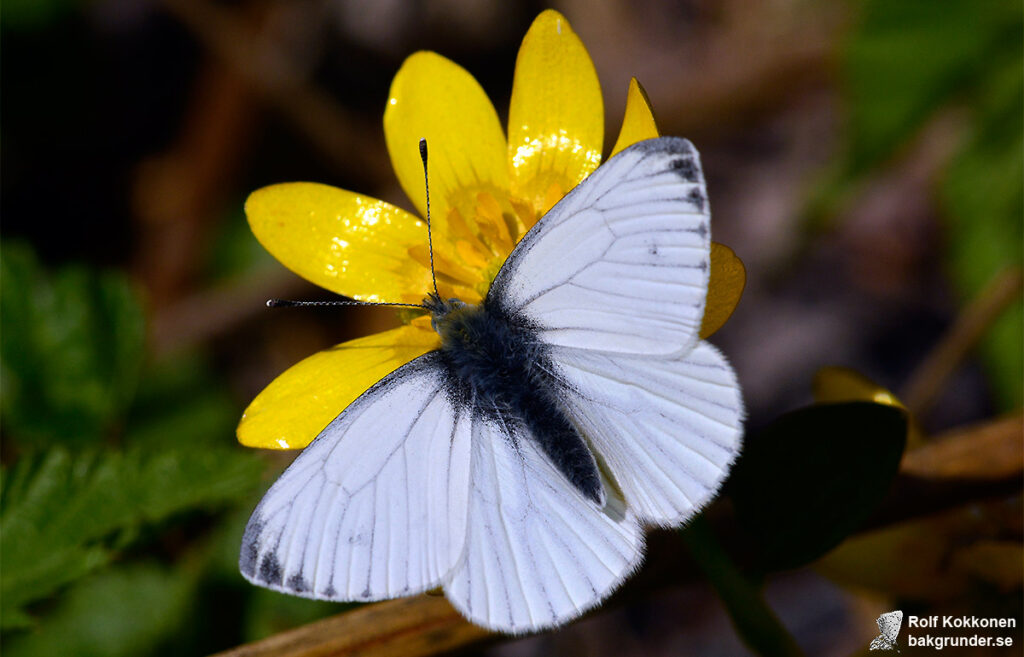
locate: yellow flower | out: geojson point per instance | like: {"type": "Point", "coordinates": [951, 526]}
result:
{"type": "Point", "coordinates": [486, 192]}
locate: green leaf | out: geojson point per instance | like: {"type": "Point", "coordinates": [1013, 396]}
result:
{"type": "Point", "coordinates": [269, 612]}
{"type": "Point", "coordinates": [906, 58]}
{"type": "Point", "coordinates": [133, 610]}
{"type": "Point", "coordinates": [905, 61]}
{"type": "Point", "coordinates": [35, 15]}
{"type": "Point", "coordinates": [813, 477]}
{"type": "Point", "coordinates": [179, 402]}
{"type": "Point", "coordinates": [984, 202]}
{"type": "Point", "coordinates": [234, 249]}
{"type": "Point", "coordinates": [72, 350]}
{"type": "Point", "coordinates": [60, 511]}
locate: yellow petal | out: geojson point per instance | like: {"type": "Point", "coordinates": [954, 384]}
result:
{"type": "Point", "coordinates": [298, 404]}
{"type": "Point", "coordinates": [725, 287]}
{"type": "Point", "coordinates": [556, 117]}
{"type": "Point", "coordinates": [638, 121]}
{"type": "Point", "coordinates": [436, 99]}
{"type": "Point", "coordinates": [350, 244]}
{"type": "Point", "coordinates": [841, 384]}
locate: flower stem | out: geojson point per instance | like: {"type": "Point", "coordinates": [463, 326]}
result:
{"type": "Point", "coordinates": [754, 620]}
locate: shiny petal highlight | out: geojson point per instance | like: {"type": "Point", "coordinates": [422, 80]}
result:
{"type": "Point", "coordinates": [556, 116]}
{"type": "Point", "coordinates": [351, 244]}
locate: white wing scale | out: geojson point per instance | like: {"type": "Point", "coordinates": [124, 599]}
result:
{"type": "Point", "coordinates": [376, 506]}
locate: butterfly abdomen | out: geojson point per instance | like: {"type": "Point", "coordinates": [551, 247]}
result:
{"type": "Point", "coordinates": [501, 369]}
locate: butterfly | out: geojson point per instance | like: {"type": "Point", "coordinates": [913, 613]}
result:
{"type": "Point", "coordinates": [889, 626]}
{"type": "Point", "coordinates": [517, 465]}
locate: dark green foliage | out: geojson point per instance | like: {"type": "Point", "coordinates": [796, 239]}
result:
{"type": "Point", "coordinates": [62, 513]}
{"type": "Point", "coordinates": [123, 612]}
{"type": "Point", "coordinates": [910, 60]}
{"type": "Point", "coordinates": [984, 202]}
{"type": "Point", "coordinates": [907, 58]}
{"type": "Point", "coordinates": [813, 477]}
{"type": "Point", "coordinates": [75, 386]}
{"type": "Point", "coordinates": [72, 351]}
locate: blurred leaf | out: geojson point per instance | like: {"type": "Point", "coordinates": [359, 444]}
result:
{"type": "Point", "coordinates": [906, 58]}
{"type": "Point", "coordinates": [905, 61]}
{"type": "Point", "coordinates": [814, 476]}
{"type": "Point", "coordinates": [842, 384]}
{"type": "Point", "coordinates": [179, 402]}
{"type": "Point", "coordinates": [269, 612]}
{"type": "Point", "coordinates": [36, 14]}
{"type": "Point", "coordinates": [997, 562]}
{"type": "Point", "coordinates": [72, 349]}
{"type": "Point", "coordinates": [235, 250]}
{"type": "Point", "coordinates": [984, 203]}
{"type": "Point", "coordinates": [934, 558]}
{"type": "Point", "coordinates": [128, 611]}
{"type": "Point", "coordinates": [56, 508]}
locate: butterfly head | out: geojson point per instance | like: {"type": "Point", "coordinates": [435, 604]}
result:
{"type": "Point", "coordinates": [441, 310]}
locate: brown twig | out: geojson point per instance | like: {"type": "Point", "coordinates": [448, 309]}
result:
{"type": "Point", "coordinates": [969, 464]}
{"type": "Point", "coordinates": [925, 383]}
{"type": "Point", "coordinates": [407, 627]}
{"type": "Point", "coordinates": [989, 450]}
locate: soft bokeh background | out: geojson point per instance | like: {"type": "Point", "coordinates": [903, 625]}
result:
{"type": "Point", "coordinates": [863, 158]}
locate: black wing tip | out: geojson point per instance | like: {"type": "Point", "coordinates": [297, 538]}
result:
{"type": "Point", "coordinates": [249, 555]}
{"type": "Point", "coordinates": [672, 145]}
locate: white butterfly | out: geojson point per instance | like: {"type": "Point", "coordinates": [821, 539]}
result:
{"type": "Point", "coordinates": [517, 465]}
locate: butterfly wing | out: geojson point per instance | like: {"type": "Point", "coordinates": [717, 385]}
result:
{"type": "Point", "coordinates": [376, 506]}
{"type": "Point", "coordinates": [621, 264]}
{"type": "Point", "coordinates": [614, 277]}
{"type": "Point", "coordinates": [538, 552]}
{"type": "Point", "coordinates": [667, 429]}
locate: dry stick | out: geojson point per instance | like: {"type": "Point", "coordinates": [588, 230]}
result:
{"type": "Point", "coordinates": [931, 375]}
{"type": "Point", "coordinates": [990, 450]}
{"type": "Point", "coordinates": [967, 465]}
{"type": "Point", "coordinates": [407, 627]}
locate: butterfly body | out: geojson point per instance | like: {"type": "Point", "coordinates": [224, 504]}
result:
{"type": "Point", "coordinates": [500, 369]}
{"type": "Point", "coordinates": [518, 464]}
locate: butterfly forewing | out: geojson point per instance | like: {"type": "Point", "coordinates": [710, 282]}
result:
{"type": "Point", "coordinates": [376, 506]}
{"type": "Point", "coordinates": [621, 264]}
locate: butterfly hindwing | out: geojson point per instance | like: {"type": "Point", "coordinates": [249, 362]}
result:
{"type": "Point", "coordinates": [376, 506]}
{"type": "Point", "coordinates": [667, 429]}
{"type": "Point", "coordinates": [538, 551]}
{"type": "Point", "coordinates": [621, 264]}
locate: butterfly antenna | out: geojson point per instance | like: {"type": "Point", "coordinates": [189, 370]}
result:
{"type": "Point", "coordinates": [430, 236]}
{"type": "Point", "coordinates": [286, 303]}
